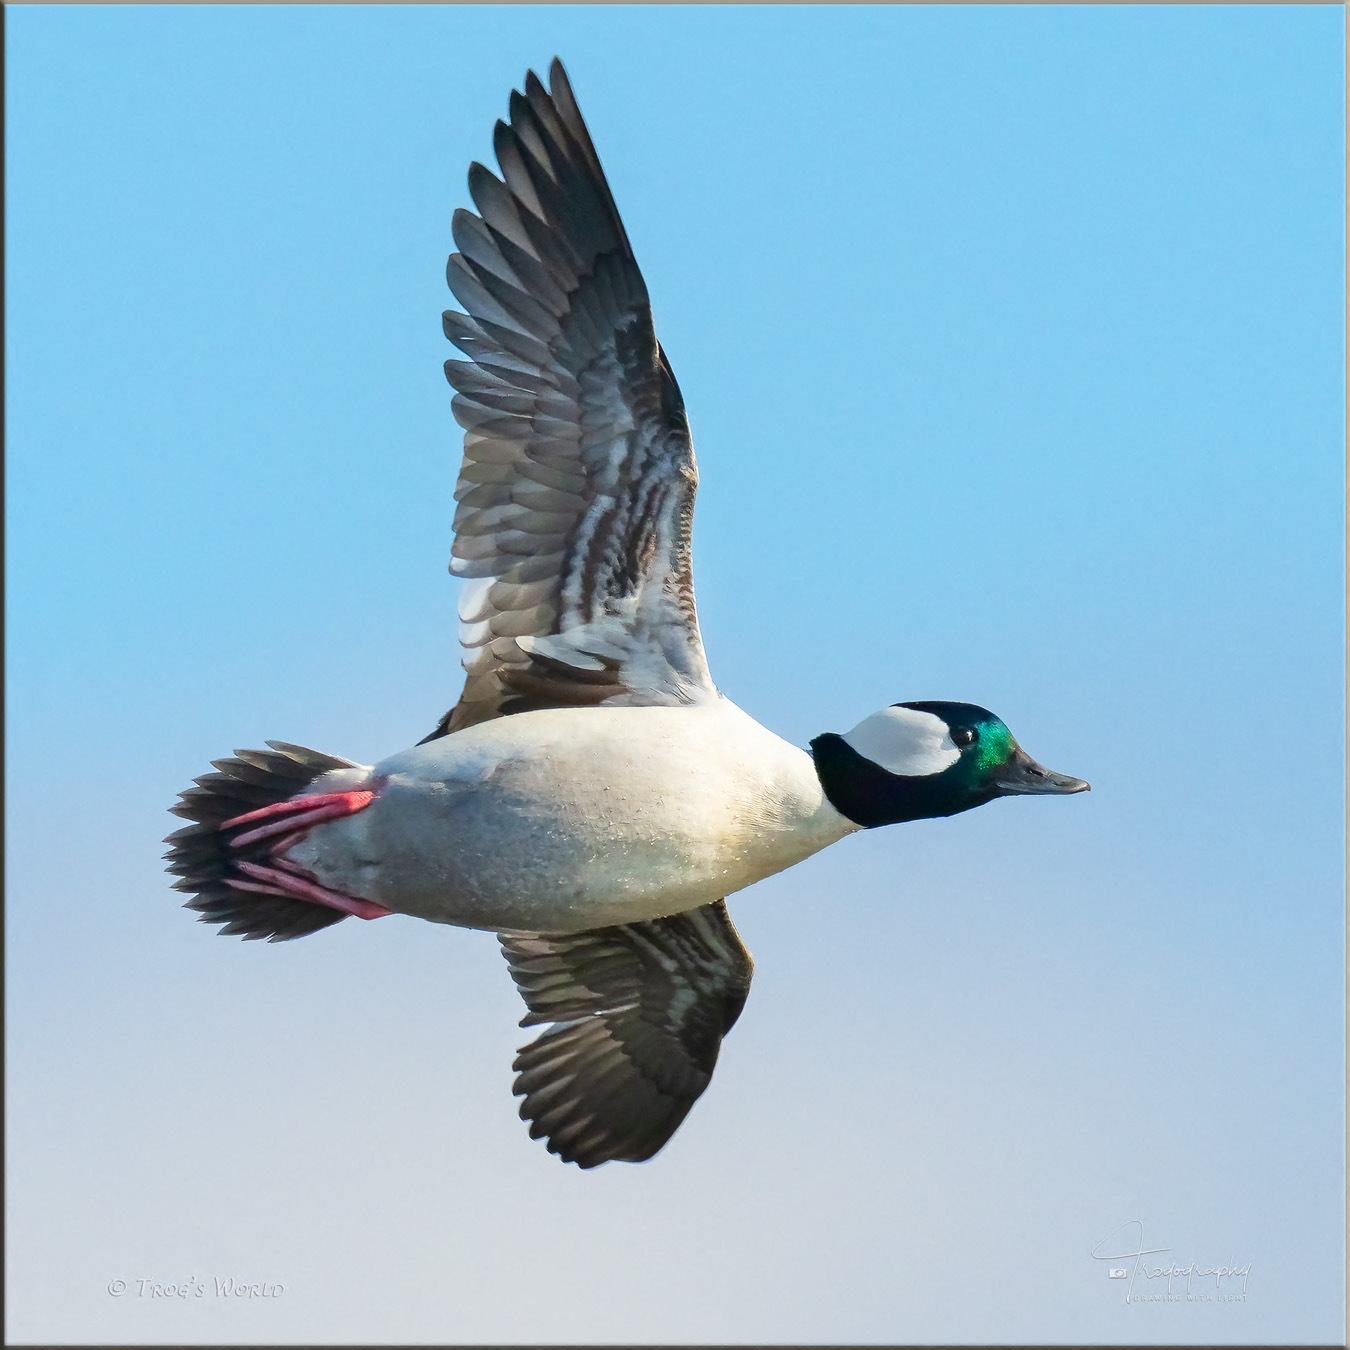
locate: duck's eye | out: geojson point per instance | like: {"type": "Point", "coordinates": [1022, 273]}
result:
{"type": "Point", "coordinates": [963, 736]}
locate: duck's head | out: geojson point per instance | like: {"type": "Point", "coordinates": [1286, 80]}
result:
{"type": "Point", "coordinates": [915, 760]}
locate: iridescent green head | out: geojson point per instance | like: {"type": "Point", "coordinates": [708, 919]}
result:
{"type": "Point", "coordinates": [915, 760]}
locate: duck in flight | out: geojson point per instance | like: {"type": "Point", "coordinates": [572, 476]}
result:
{"type": "Point", "coordinates": [592, 797]}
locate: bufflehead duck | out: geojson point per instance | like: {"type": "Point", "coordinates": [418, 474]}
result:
{"type": "Point", "coordinates": [592, 797]}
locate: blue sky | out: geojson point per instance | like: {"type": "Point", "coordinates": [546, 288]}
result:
{"type": "Point", "coordinates": [1012, 345]}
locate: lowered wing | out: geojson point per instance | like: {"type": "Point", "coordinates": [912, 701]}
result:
{"type": "Point", "coordinates": [639, 1012]}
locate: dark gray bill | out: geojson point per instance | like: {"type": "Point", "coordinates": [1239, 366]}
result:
{"type": "Point", "coordinates": [1021, 774]}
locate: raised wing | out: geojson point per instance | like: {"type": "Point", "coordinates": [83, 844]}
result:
{"type": "Point", "coordinates": [640, 1011]}
{"type": "Point", "coordinates": [577, 489]}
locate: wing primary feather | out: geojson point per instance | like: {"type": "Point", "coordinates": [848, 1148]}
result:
{"type": "Point", "coordinates": [498, 208]}
{"type": "Point", "coordinates": [479, 245]}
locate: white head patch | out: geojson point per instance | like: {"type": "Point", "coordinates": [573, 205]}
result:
{"type": "Point", "coordinates": [905, 741]}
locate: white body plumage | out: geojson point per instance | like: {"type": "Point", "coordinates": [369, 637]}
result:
{"type": "Point", "coordinates": [570, 819]}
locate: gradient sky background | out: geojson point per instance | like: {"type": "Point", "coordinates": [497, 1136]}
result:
{"type": "Point", "coordinates": [1011, 340]}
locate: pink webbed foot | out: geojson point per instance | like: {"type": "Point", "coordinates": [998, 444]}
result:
{"type": "Point", "coordinates": [286, 823]}
{"type": "Point", "coordinates": [290, 881]}
{"type": "Point", "coordinates": [297, 815]}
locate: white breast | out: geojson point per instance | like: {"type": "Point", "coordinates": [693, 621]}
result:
{"type": "Point", "coordinates": [576, 818]}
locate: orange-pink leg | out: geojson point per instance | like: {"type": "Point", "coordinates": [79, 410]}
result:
{"type": "Point", "coordinates": [287, 822]}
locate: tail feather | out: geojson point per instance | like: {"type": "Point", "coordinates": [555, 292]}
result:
{"type": "Point", "coordinates": [200, 853]}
